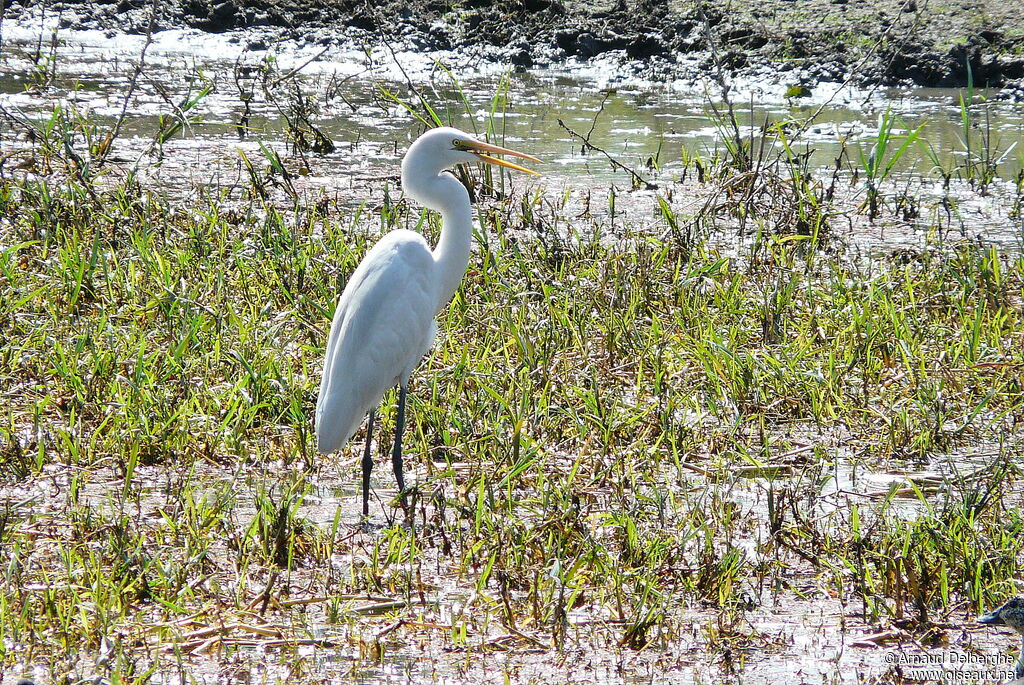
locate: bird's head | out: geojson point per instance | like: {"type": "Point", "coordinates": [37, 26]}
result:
{"type": "Point", "coordinates": [442, 148]}
{"type": "Point", "coordinates": [1010, 614]}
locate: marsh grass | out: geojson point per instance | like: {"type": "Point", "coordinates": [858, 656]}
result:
{"type": "Point", "coordinates": [634, 445]}
{"type": "Point", "coordinates": [878, 162]}
{"type": "Point", "coordinates": [580, 409]}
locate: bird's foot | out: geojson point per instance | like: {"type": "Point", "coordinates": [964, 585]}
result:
{"type": "Point", "coordinates": [366, 525]}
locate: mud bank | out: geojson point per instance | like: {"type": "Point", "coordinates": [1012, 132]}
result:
{"type": "Point", "coordinates": [876, 42]}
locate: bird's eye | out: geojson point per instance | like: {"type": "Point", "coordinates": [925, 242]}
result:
{"type": "Point", "coordinates": [459, 144]}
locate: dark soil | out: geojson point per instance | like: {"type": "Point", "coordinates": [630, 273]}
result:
{"type": "Point", "coordinates": [871, 42]}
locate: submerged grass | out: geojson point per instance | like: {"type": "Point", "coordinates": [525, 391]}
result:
{"type": "Point", "coordinates": [636, 444]}
{"type": "Point", "coordinates": [608, 439]}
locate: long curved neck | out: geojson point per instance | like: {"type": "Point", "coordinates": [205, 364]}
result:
{"type": "Point", "coordinates": [445, 194]}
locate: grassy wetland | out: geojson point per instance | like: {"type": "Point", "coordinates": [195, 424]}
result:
{"type": "Point", "coordinates": [681, 424]}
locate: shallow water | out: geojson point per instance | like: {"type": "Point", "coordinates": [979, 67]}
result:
{"type": "Point", "coordinates": [650, 127]}
{"type": "Point", "coordinates": [636, 121]}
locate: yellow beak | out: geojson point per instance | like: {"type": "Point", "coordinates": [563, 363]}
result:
{"type": "Point", "coordinates": [485, 150]}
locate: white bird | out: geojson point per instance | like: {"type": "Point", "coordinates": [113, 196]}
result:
{"type": "Point", "coordinates": [384, 322]}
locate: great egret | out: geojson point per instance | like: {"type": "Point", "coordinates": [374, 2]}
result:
{"type": "Point", "coordinates": [384, 322]}
{"type": "Point", "coordinates": [1010, 614]}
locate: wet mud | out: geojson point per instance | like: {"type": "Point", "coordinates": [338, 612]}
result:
{"type": "Point", "coordinates": [881, 42]}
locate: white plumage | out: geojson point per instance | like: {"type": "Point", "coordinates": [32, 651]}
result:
{"type": "Point", "coordinates": [384, 321]}
{"type": "Point", "coordinates": [367, 353]}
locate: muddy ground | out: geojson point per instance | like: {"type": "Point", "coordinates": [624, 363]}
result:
{"type": "Point", "coordinates": [876, 42]}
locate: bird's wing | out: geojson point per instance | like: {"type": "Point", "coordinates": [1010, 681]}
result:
{"type": "Point", "coordinates": [383, 325]}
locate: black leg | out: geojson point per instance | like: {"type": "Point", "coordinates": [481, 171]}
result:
{"type": "Point", "coordinates": [396, 454]}
{"type": "Point", "coordinates": [367, 464]}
